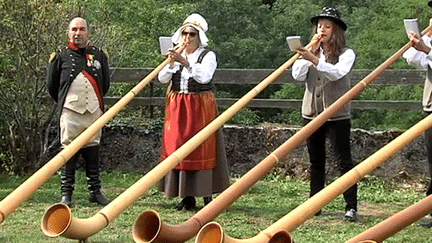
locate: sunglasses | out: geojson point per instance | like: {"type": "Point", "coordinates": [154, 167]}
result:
{"type": "Point", "coordinates": [192, 34]}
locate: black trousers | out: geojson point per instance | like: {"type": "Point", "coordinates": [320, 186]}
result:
{"type": "Point", "coordinates": [428, 142]}
{"type": "Point", "coordinates": [338, 133]}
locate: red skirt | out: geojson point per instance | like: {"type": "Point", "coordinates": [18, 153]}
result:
{"type": "Point", "coordinates": [185, 116]}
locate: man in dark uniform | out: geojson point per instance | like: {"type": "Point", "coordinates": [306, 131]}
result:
{"type": "Point", "coordinates": [77, 79]}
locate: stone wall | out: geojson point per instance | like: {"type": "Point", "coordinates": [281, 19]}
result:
{"type": "Point", "coordinates": [138, 149]}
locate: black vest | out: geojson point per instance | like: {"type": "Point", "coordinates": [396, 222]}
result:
{"type": "Point", "coordinates": [193, 86]}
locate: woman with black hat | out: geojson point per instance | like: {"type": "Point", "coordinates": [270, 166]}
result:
{"type": "Point", "coordinates": [325, 68]}
{"type": "Point", "coordinates": [421, 55]}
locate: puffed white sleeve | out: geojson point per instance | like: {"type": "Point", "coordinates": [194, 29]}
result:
{"type": "Point", "coordinates": [336, 71]}
{"type": "Point", "coordinates": [300, 69]}
{"type": "Point", "coordinates": [166, 73]}
{"type": "Point", "coordinates": [203, 72]}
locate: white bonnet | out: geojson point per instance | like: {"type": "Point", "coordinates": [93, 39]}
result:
{"type": "Point", "coordinates": [196, 21]}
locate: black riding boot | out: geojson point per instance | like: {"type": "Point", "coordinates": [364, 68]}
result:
{"type": "Point", "coordinates": [67, 179]}
{"type": "Point", "coordinates": [91, 158]}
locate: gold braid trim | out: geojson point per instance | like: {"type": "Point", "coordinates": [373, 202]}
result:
{"type": "Point", "coordinates": [194, 23]}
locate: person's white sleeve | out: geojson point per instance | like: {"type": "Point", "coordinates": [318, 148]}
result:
{"type": "Point", "coordinates": [300, 69]}
{"type": "Point", "coordinates": [166, 73]}
{"type": "Point", "coordinates": [419, 58]}
{"type": "Point", "coordinates": [203, 72]}
{"type": "Point", "coordinates": [336, 71]}
{"type": "Point", "coordinates": [427, 40]}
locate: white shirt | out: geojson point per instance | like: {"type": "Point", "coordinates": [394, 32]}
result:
{"type": "Point", "coordinates": [200, 72]}
{"type": "Point", "coordinates": [333, 72]}
{"type": "Point", "coordinates": [419, 58]}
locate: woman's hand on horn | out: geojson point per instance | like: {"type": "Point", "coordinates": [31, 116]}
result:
{"type": "Point", "coordinates": [177, 57]}
{"type": "Point", "coordinates": [307, 54]}
{"type": "Point", "coordinates": [418, 43]}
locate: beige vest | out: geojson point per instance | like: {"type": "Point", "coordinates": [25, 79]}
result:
{"type": "Point", "coordinates": [320, 93]}
{"type": "Point", "coordinates": [81, 96]}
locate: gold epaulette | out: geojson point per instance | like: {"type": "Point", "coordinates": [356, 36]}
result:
{"type": "Point", "coordinates": [106, 53]}
{"type": "Point", "coordinates": [52, 56]}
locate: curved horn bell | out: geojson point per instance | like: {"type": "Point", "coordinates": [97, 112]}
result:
{"type": "Point", "coordinates": [213, 233]}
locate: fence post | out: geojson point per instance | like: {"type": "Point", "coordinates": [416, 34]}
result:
{"type": "Point", "coordinates": [151, 97]}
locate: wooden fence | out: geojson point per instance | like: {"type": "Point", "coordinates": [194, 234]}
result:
{"type": "Point", "coordinates": [254, 76]}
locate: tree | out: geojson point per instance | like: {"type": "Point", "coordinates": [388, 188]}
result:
{"type": "Point", "coordinates": [238, 32]}
{"type": "Point", "coordinates": [28, 29]}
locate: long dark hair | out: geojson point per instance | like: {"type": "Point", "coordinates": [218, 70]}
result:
{"type": "Point", "coordinates": [337, 43]}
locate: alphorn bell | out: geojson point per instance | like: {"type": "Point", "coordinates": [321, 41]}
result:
{"type": "Point", "coordinates": [148, 227]}
{"type": "Point", "coordinates": [213, 232]}
{"type": "Point", "coordinates": [58, 220]}
{"type": "Point", "coordinates": [26, 189]}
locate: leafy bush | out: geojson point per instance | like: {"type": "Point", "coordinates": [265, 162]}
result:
{"type": "Point", "coordinates": [247, 117]}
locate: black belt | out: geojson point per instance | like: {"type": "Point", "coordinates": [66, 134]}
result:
{"type": "Point", "coordinates": [193, 87]}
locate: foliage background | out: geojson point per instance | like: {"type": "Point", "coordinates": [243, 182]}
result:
{"type": "Point", "coordinates": [243, 33]}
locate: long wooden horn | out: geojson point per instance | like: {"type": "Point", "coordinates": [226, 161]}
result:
{"type": "Point", "coordinates": [307, 209]}
{"type": "Point", "coordinates": [212, 233]}
{"type": "Point", "coordinates": [58, 221]}
{"type": "Point", "coordinates": [26, 189]}
{"type": "Point", "coordinates": [148, 227]}
{"type": "Point", "coordinates": [395, 223]}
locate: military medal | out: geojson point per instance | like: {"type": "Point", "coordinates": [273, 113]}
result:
{"type": "Point", "coordinates": [90, 60]}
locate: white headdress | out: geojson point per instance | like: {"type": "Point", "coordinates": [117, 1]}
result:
{"type": "Point", "coordinates": [196, 21]}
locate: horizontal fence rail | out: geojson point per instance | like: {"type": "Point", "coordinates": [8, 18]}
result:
{"type": "Point", "coordinates": [254, 76]}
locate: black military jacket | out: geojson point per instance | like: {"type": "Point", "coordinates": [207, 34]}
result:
{"type": "Point", "coordinates": [68, 63]}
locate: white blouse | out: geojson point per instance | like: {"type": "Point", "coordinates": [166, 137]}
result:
{"type": "Point", "coordinates": [419, 58]}
{"type": "Point", "coordinates": [333, 72]}
{"type": "Point", "coordinates": [200, 72]}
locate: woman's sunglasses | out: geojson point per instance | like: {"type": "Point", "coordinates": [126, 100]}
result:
{"type": "Point", "coordinates": [192, 34]}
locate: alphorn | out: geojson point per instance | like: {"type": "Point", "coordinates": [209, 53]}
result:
{"type": "Point", "coordinates": [58, 220]}
{"type": "Point", "coordinates": [395, 223]}
{"type": "Point", "coordinates": [212, 232]}
{"type": "Point", "coordinates": [148, 226]}
{"type": "Point", "coordinates": [307, 209]}
{"type": "Point", "coordinates": [52, 223]}
{"type": "Point", "coordinates": [26, 189]}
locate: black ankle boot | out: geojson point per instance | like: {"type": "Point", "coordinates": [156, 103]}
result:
{"type": "Point", "coordinates": [98, 198]}
{"type": "Point", "coordinates": [66, 199]}
{"type": "Point", "coordinates": [187, 203]}
{"type": "Point", "coordinates": [207, 200]}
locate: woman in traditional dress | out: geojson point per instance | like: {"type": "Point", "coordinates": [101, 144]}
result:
{"type": "Point", "coordinates": [190, 106]}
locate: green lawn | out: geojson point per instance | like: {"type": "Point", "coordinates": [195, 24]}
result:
{"type": "Point", "coordinates": [265, 203]}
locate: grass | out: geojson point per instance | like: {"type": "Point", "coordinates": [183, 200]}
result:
{"type": "Point", "coordinates": [265, 203]}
